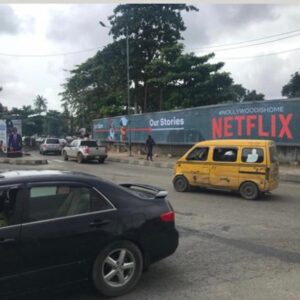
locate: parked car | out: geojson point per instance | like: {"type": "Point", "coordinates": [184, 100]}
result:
{"type": "Point", "coordinates": [59, 227]}
{"type": "Point", "coordinates": [83, 150]}
{"type": "Point", "coordinates": [63, 143]}
{"type": "Point", "coordinates": [50, 145]}
{"type": "Point", "coordinates": [247, 166]}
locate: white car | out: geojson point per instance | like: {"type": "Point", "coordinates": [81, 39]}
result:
{"type": "Point", "coordinates": [83, 150]}
{"type": "Point", "coordinates": [50, 145]}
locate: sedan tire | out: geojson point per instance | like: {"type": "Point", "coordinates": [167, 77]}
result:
{"type": "Point", "coordinates": [117, 269]}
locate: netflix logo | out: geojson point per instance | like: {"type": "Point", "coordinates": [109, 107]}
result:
{"type": "Point", "coordinates": [261, 125]}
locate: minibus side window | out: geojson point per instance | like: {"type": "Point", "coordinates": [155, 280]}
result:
{"type": "Point", "coordinates": [225, 154]}
{"type": "Point", "coordinates": [252, 155]}
{"type": "Point", "coordinates": [198, 154]}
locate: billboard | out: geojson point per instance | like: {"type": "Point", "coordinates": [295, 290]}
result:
{"type": "Point", "coordinates": [278, 120]}
{"type": "Point", "coordinates": [3, 140]}
{"type": "Point", "coordinates": [6, 127]}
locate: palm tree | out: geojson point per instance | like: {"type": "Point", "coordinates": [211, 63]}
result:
{"type": "Point", "coordinates": [40, 103]}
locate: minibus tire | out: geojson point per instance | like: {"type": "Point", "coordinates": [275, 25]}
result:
{"type": "Point", "coordinates": [181, 184]}
{"type": "Point", "coordinates": [249, 190]}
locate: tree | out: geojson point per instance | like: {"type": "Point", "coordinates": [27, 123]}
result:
{"type": "Point", "coordinates": [1, 106]}
{"type": "Point", "coordinates": [253, 96]}
{"type": "Point", "coordinates": [162, 75]}
{"type": "Point", "coordinates": [55, 124]}
{"type": "Point", "coordinates": [40, 104]}
{"type": "Point", "coordinates": [186, 80]}
{"type": "Point", "coordinates": [98, 87]}
{"type": "Point", "coordinates": [31, 123]}
{"type": "Point", "coordinates": [151, 27]}
{"type": "Point", "coordinates": [292, 88]}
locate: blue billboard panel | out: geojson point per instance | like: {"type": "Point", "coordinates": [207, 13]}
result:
{"type": "Point", "coordinates": [278, 120]}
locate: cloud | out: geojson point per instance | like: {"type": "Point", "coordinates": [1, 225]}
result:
{"type": "Point", "coordinates": [266, 75]}
{"type": "Point", "coordinates": [6, 71]}
{"type": "Point", "coordinates": [78, 25]}
{"type": "Point", "coordinates": [215, 24]}
{"type": "Point", "coordinates": [9, 23]}
{"type": "Point", "coordinates": [16, 94]}
{"type": "Point", "coordinates": [237, 17]}
{"type": "Point", "coordinates": [66, 28]}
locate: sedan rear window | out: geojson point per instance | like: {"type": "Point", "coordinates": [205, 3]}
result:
{"type": "Point", "coordinates": [52, 141]}
{"type": "Point", "coordinates": [89, 143]}
{"type": "Point", "coordinates": [54, 201]}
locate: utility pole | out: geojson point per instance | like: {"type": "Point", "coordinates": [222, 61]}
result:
{"type": "Point", "coordinates": [128, 86]}
{"type": "Point", "coordinates": [128, 93]}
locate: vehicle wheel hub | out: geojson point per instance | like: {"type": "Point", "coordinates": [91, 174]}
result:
{"type": "Point", "coordinates": [118, 268]}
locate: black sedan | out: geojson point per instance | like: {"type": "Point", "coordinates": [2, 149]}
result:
{"type": "Point", "coordinates": [59, 227]}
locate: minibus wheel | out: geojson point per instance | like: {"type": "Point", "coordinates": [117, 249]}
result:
{"type": "Point", "coordinates": [180, 184]}
{"type": "Point", "coordinates": [249, 190]}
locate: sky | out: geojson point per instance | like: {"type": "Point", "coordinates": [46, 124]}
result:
{"type": "Point", "coordinates": [38, 41]}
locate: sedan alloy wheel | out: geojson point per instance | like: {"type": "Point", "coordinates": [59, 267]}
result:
{"type": "Point", "coordinates": [118, 268]}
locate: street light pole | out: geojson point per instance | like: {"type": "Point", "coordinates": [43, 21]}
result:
{"type": "Point", "coordinates": [128, 92]}
{"type": "Point", "coordinates": [128, 85]}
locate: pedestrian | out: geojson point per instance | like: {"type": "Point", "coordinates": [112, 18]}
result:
{"type": "Point", "coordinates": [149, 147]}
{"type": "Point", "coordinates": [1, 148]}
{"type": "Point", "coordinates": [15, 141]}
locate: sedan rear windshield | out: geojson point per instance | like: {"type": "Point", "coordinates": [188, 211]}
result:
{"type": "Point", "coordinates": [89, 143]}
{"type": "Point", "coordinates": [52, 141]}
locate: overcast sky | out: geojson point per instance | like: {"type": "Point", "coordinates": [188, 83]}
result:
{"type": "Point", "coordinates": [50, 29]}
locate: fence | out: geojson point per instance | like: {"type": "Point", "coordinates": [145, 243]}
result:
{"type": "Point", "coordinates": [278, 120]}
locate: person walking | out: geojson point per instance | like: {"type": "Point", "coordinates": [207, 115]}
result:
{"type": "Point", "coordinates": [15, 141]}
{"type": "Point", "coordinates": [149, 147]}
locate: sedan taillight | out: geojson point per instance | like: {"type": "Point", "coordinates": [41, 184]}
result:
{"type": "Point", "coordinates": [168, 216]}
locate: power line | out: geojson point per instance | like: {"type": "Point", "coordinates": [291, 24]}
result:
{"type": "Point", "coordinates": [248, 41]}
{"type": "Point", "coordinates": [50, 55]}
{"type": "Point", "coordinates": [262, 43]}
{"type": "Point", "coordinates": [262, 55]}
{"type": "Point", "coordinates": [217, 46]}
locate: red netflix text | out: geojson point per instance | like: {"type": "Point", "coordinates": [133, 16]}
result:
{"type": "Point", "coordinates": [249, 125]}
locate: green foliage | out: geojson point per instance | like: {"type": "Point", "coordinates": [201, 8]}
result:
{"type": "Point", "coordinates": [292, 88]}
{"type": "Point", "coordinates": [151, 27]}
{"type": "Point", "coordinates": [33, 123]}
{"type": "Point", "coordinates": [253, 96]}
{"type": "Point", "coordinates": [97, 87]}
{"type": "Point", "coordinates": [40, 103]}
{"type": "Point", "coordinates": [162, 75]}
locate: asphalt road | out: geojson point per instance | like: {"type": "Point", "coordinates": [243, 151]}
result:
{"type": "Point", "coordinates": [229, 248]}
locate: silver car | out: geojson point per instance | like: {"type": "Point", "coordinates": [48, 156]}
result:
{"type": "Point", "coordinates": [50, 145]}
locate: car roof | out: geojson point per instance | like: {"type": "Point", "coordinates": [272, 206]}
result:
{"type": "Point", "coordinates": [26, 176]}
{"type": "Point", "coordinates": [237, 142]}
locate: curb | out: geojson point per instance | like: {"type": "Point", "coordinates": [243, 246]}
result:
{"type": "Point", "coordinates": [140, 162]}
{"type": "Point", "coordinates": [289, 178]}
{"type": "Point", "coordinates": [29, 162]}
{"type": "Point", "coordinates": [283, 177]}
